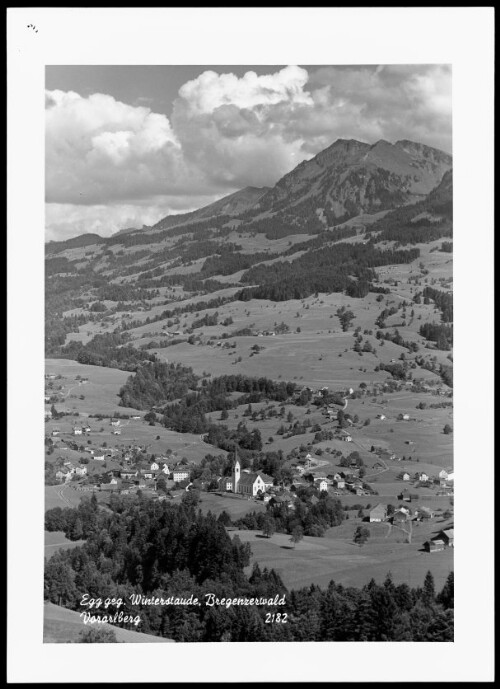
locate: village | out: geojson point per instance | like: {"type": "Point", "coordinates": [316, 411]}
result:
{"type": "Point", "coordinates": [82, 462]}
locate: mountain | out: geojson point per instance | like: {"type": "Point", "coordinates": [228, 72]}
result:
{"type": "Point", "coordinates": [233, 205]}
{"type": "Point", "coordinates": [351, 177]}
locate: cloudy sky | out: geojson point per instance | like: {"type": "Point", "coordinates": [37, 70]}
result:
{"type": "Point", "coordinates": [128, 145]}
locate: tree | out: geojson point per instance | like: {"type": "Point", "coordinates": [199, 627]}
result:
{"type": "Point", "coordinates": [297, 535]}
{"type": "Point", "coordinates": [447, 429]}
{"type": "Point", "coordinates": [268, 526]}
{"type": "Point", "coordinates": [446, 597]}
{"type": "Point", "coordinates": [429, 591]}
{"type": "Point", "coordinates": [361, 535]}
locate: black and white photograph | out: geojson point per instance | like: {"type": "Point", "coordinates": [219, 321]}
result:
{"type": "Point", "coordinates": [251, 413]}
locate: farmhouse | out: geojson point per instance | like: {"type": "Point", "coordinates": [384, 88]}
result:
{"type": "Point", "coordinates": [321, 484]}
{"type": "Point", "coordinates": [378, 513]}
{"type": "Point", "coordinates": [55, 431]}
{"type": "Point", "coordinates": [80, 471]}
{"type": "Point", "coordinates": [434, 545]}
{"type": "Point", "coordinates": [154, 466]}
{"type": "Point", "coordinates": [346, 437]}
{"type": "Point", "coordinates": [115, 422]}
{"type": "Point", "coordinates": [406, 476]}
{"type": "Point", "coordinates": [406, 417]}
{"type": "Point", "coordinates": [77, 430]}
{"type": "Point", "coordinates": [448, 537]}
{"type": "Point", "coordinates": [180, 475]}
{"type": "Point", "coordinates": [401, 516]}
{"type": "Point", "coordinates": [382, 417]}
{"type": "Point", "coordinates": [424, 513]}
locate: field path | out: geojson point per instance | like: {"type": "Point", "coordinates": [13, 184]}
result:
{"type": "Point", "coordinates": [64, 499]}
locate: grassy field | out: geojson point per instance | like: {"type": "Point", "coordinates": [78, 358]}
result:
{"type": "Point", "coordinates": [61, 496]}
{"type": "Point", "coordinates": [234, 505]}
{"type": "Point", "coordinates": [100, 392]}
{"type": "Point", "coordinates": [64, 626]}
{"type": "Point", "coordinates": [319, 560]}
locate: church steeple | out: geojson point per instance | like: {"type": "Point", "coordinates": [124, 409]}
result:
{"type": "Point", "coordinates": [236, 471]}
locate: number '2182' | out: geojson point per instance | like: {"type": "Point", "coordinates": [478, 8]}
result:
{"type": "Point", "coordinates": [276, 617]}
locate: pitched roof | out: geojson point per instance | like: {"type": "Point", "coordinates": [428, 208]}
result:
{"type": "Point", "coordinates": [248, 479]}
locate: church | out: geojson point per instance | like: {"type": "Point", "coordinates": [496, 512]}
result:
{"type": "Point", "coordinates": [246, 482]}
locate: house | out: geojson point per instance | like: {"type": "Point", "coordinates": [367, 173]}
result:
{"type": "Point", "coordinates": [434, 545]}
{"type": "Point", "coordinates": [99, 457]}
{"type": "Point", "coordinates": [226, 483]}
{"type": "Point", "coordinates": [55, 431]}
{"type": "Point", "coordinates": [422, 477]}
{"type": "Point", "coordinates": [447, 536]}
{"type": "Point", "coordinates": [81, 470]}
{"type": "Point", "coordinates": [127, 474]}
{"type": "Point", "coordinates": [378, 513]}
{"type": "Point", "coordinates": [321, 484]}
{"type": "Point", "coordinates": [406, 417]}
{"type": "Point", "coordinates": [117, 432]}
{"type": "Point", "coordinates": [63, 475]}
{"type": "Point", "coordinates": [115, 422]}
{"type": "Point", "coordinates": [424, 513]}
{"type": "Point", "coordinates": [340, 483]}
{"type": "Point", "coordinates": [166, 470]}
{"type": "Point", "coordinates": [154, 466]}
{"type": "Point", "coordinates": [401, 516]}
{"type": "Point", "coordinates": [406, 476]}
{"type": "Point", "coordinates": [87, 429]}
{"type": "Point", "coordinates": [443, 474]}
{"type": "Point", "coordinates": [180, 475]}
{"type": "Point", "coordinates": [382, 417]}
{"type": "Point", "coordinates": [346, 437]}
{"type": "Point", "coordinates": [77, 430]}
{"type": "Point", "coordinates": [451, 476]}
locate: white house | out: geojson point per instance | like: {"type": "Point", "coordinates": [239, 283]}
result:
{"type": "Point", "coordinates": [77, 430]}
{"type": "Point", "coordinates": [406, 417]}
{"type": "Point", "coordinates": [406, 476]}
{"type": "Point", "coordinates": [115, 422]}
{"type": "Point", "coordinates": [423, 477]}
{"type": "Point", "coordinates": [382, 417]}
{"type": "Point", "coordinates": [321, 484]}
{"type": "Point", "coordinates": [443, 474]}
{"type": "Point", "coordinates": [155, 466]}
{"type": "Point", "coordinates": [55, 431]}
{"type": "Point", "coordinates": [180, 475]}
{"type": "Point", "coordinates": [81, 471]}
{"type": "Point", "coordinates": [166, 470]}
{"type": "Point", "coordinates": [99, 457]}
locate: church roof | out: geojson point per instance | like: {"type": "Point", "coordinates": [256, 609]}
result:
{"type": "Point", "coordinates": [248, 479]}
